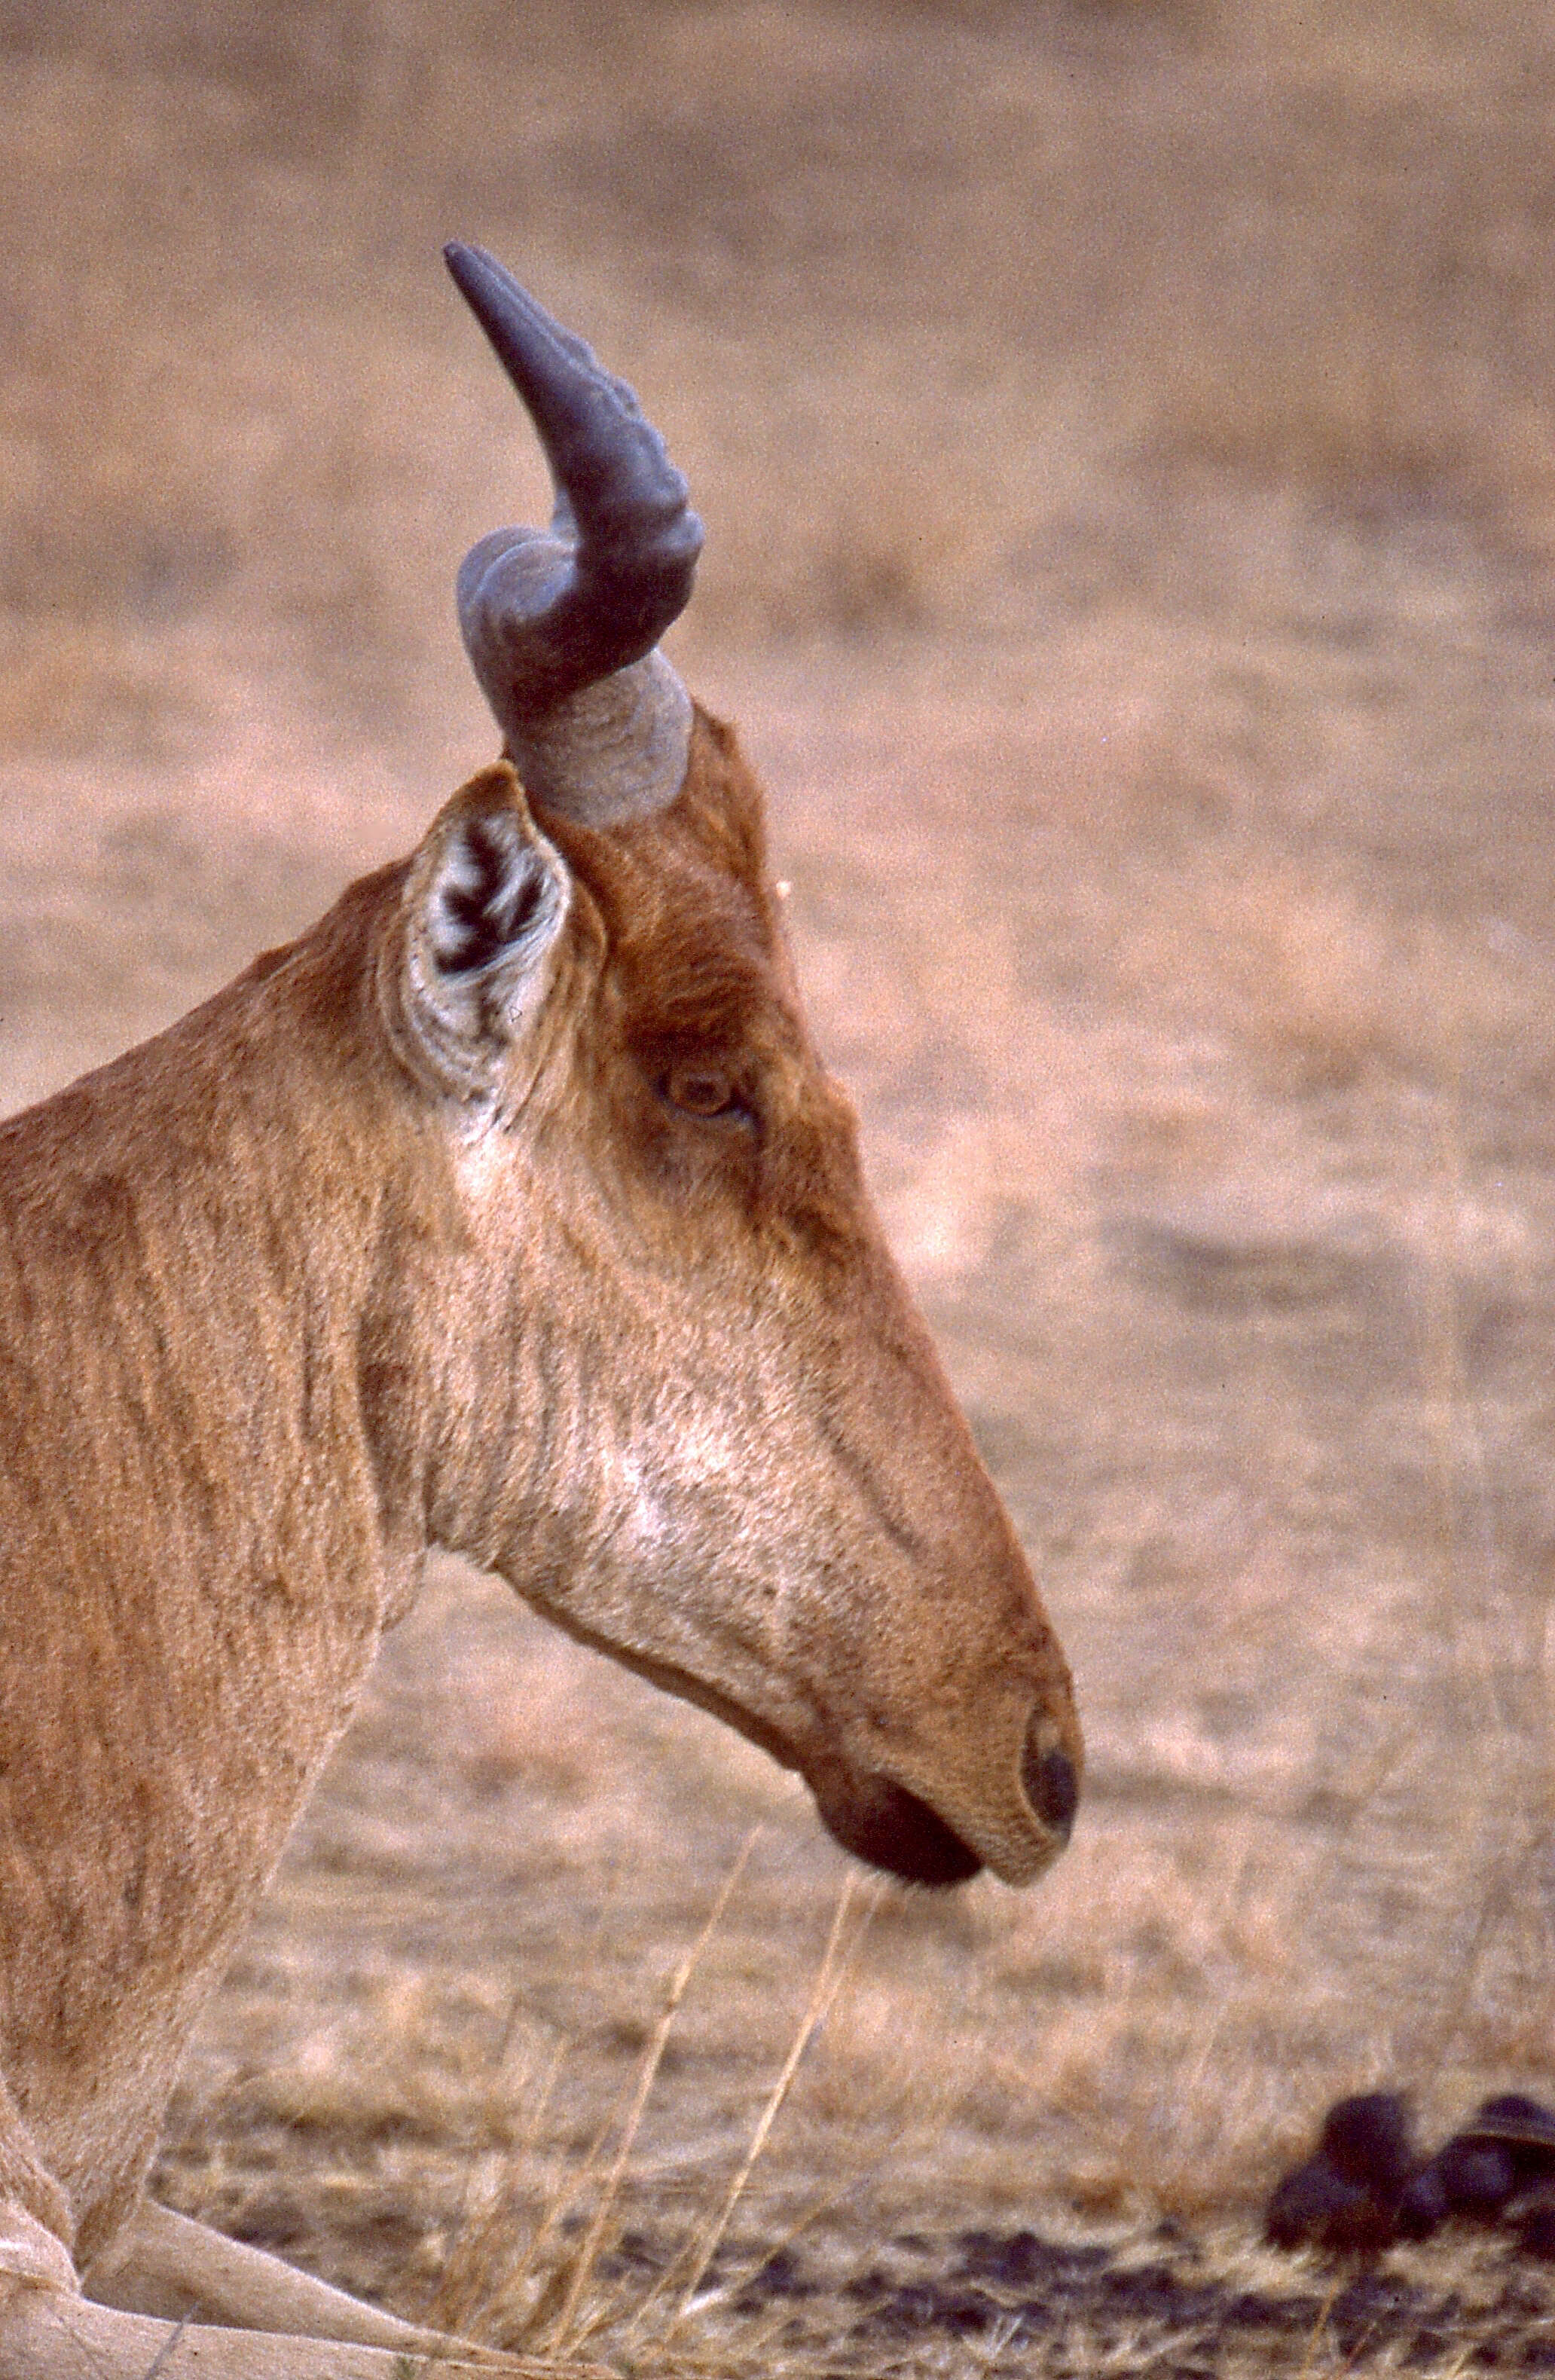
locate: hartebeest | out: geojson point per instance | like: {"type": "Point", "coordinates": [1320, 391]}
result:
{"type": "Point", "coordinates": [509, 1211]}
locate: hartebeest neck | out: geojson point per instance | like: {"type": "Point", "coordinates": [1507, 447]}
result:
{"type": "Point", "coordinates": [251, 1219]}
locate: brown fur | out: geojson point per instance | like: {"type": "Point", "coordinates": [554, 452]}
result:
{"type": "Point", "coordinates": [338, 1268]}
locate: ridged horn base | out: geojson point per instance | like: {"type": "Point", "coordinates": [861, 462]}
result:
{"type": "Point", "coordinates": [612, 751]}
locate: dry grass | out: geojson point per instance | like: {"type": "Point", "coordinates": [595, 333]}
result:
{"type": "Point", "coordinates": [919, 293]}
{"type": "Point", "coordinates": [1126, 439]}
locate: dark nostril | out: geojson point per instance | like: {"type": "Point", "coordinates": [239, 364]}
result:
{"type": "Point", "coordinates": [1052, 1787]}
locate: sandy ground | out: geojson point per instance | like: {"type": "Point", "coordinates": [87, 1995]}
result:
{"type": "Point", "coordinates": [1156, 712]}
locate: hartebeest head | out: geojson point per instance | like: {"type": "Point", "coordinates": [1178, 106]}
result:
{"type": "Point", "coordinates": [686, 1404]}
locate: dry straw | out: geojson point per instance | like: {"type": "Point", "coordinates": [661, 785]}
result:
{"type": "Point", "coordinates": [562, 2334]}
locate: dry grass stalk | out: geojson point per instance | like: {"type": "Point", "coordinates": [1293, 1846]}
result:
{"type": "Point", "coordinates": [830, 1975]}
{"type": "Point", "coordinates": [560, 2337]}
{"type": "Point", "coordinates": [165, 2352]}
{"type": "Point", "coordinates": [482, 2283]}
{"type": "Point", "coordinates": [485, 2218]}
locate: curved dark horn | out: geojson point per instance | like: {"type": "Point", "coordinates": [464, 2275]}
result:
{"type": "Point", "coordinates": [560, 625]}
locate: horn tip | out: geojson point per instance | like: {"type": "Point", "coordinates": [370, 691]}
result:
{"type": "Point", "coordinates": [471, 267]}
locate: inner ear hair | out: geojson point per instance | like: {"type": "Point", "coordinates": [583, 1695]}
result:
{"type": "Point", "coordinates": [493, 892]}
{"type": "Point", "coordinates": [485, 902]}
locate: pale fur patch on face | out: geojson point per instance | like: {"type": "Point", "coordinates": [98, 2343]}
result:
{"type": "Point", "coordinates": [649, 1515]}
{"type": "Point", "coordinates": [483, 1157]}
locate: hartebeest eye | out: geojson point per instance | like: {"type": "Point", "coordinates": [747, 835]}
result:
{"type": "Point", "coordinates": [701, 1086]}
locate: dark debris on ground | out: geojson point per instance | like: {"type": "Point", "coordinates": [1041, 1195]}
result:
{"type": "Point", "coordinates": [1366, 2184]}
{"type": "Point", "coordinates": [1001, 2294]}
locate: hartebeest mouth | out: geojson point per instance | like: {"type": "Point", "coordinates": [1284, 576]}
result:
{"type": "Point", "coordinates": [893, 1829]}
{"type": "Point", "coordinates": [896, 1829]}
{"type": "Point", "coordinates": [867, 1811]}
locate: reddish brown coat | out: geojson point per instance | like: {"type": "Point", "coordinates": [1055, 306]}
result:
{"type": "Point", "coordinates": [553, 1251]}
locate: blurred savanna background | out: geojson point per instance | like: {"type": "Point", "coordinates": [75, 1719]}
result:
{"type": "Point", "coordinates": [1126, 438]}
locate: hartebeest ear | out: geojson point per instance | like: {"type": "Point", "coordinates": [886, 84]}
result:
{"type": "Point", "coordinates": [485, 902]}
